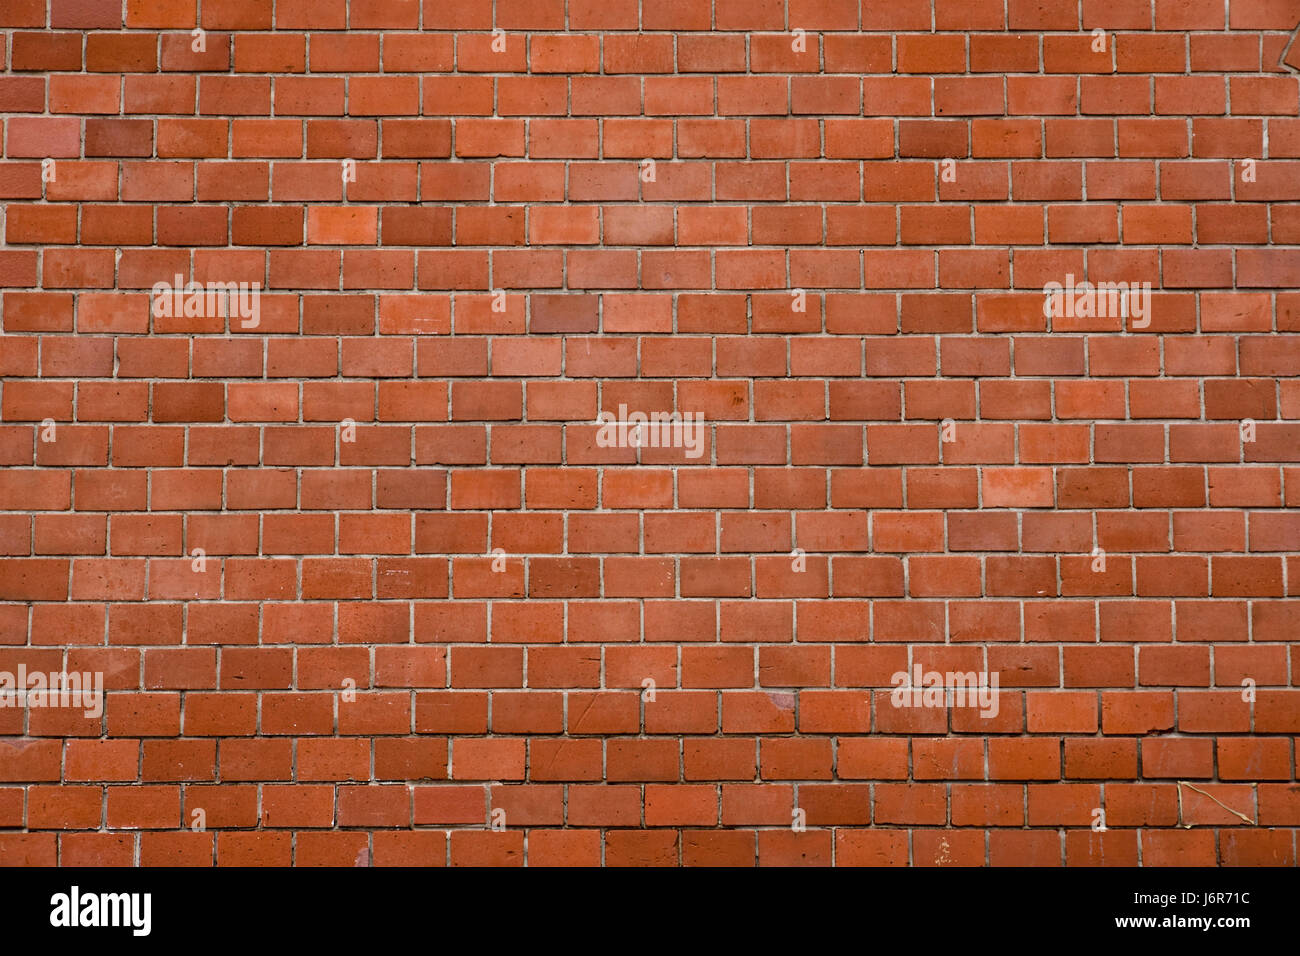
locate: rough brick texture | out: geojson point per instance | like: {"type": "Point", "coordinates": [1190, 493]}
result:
{"type": "Point", "coordinates": [361, 573]}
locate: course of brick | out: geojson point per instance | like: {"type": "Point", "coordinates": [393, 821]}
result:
{"type": "Point", "coordinates": [367, 586]}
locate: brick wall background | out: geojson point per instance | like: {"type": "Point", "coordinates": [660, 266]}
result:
{"type": "Point", "coordinates": [475, 225]}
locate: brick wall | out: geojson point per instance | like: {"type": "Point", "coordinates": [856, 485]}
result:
{"type": "Point", "coordinates": [370, 576]}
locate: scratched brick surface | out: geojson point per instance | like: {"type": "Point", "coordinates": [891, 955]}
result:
{"type": "Point", "coordinates": [365, 581]}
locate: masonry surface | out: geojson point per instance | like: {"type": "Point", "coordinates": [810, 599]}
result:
{"type": "Point", "coordinates": [367, 584]}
